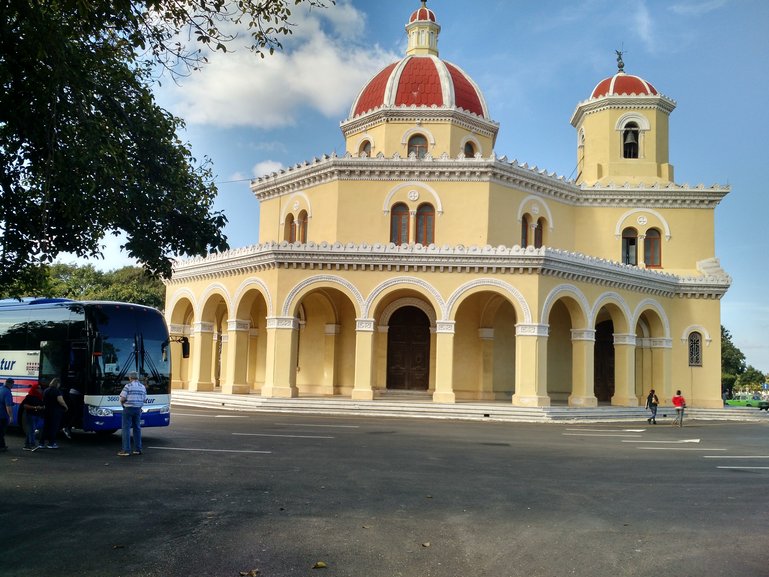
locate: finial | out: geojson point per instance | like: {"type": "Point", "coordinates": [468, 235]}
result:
{"type": "Point", "coordinates": [620, 63]}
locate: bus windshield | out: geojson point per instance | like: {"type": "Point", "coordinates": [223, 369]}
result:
{"type": "Point", "coordinates": [126, 339]}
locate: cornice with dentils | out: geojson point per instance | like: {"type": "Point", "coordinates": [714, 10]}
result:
{"type": "Point", "coordinates": [493, 169]}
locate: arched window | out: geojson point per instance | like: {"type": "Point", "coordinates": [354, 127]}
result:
{"type": "Point", "coordinates": [525, 231]}
{"type": "Point", "coordinates": [301, 227]}
{"type": "Point", "coordinates": [653, 248]}
{"type": "Point", "coordinates": [425, 224]}
{"type": "Point", "coordinates": [289, 231]}
{"type": "Point", "coordinates": [365, 148]}
{"type": "Point", "coordinates": [418, 145]}
{"type": "Point", "coordinates": [469, 150]}
{"type": "Point", "coordinates": [399, 224]}
{"type": "Point", "coordinates": [695, 349]}
{"type": "Point", "coordinates": [630, 140]}
{"type": "Point", "coordinates": [630, 246]}
{"type": "Point", "coordinates": [539, 232]}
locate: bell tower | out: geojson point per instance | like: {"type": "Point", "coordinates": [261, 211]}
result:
{"type": "Point", "coordinates": [622, 132]}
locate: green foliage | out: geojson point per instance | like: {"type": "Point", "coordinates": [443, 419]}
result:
{"type": "Point", "coordinates": [85, 151]}
{"type": "Point", "coordinates": [732, 361]}
{"type": "Point", "coordinates": [750, 380]}
{"type": "Point", "coordinates": [127, 284]}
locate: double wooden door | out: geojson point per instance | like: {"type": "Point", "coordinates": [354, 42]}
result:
{"type": "Point", "coordinates": [408, 350]}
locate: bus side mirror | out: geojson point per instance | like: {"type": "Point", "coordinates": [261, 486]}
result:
{"type": "Point", "coordinates": [185, 348]}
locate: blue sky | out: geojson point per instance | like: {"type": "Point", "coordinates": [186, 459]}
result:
{"type": "Point", "coordinates": [534, 61]}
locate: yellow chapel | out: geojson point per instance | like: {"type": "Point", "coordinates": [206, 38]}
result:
{"type": "Point", "coordinates": [422, 263]}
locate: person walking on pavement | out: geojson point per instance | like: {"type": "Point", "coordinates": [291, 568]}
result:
{"type": "Point", "coordinates": [132, 397]}
{"type": "Point", "coordinates": [680, 404]}
{"type": "Point", "coordinates": [6, 411]}
{"type": "Point", "coordinates": [55, 407]}
{"type": "Point", "coordinates": [651, 404]}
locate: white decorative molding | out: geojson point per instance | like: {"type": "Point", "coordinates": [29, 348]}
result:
{"type": "Point", "coordinates": [445, 327]}
{"type": "Point", "coordinates": [253, 333]}
{"type": "Point", "coordinates": [567, 290]}
{"type": "Point", "coordinates": [647, 305]}
{"type": "Point", "coordinates": [214, 289]}
{"type": "Point", "coordinates": [621, 221]}
{"type": "Point", "coordinates": [540, 200]}
{"type": "Point", "coordinates": [531, 330]}
{"type": "Point", "coordinates": [282, 323]}
{"type": "Point", "coordinates": [202, 327]}
{"type": "Point", "coordinates": [224, 338]}
{"type": "Point", "coordinates": [261, 287]}
{"type": "Point", "coordinates": [413, 195]}
{"type": "Point", "coordinates": [699, 329]}
{"type": "Point", "coordinates": [179, 330]}
{"type": "Point", "coordinates": [388, 201]}
{"type": "Point", "coordinates": [401, 281]}
{"type": "Point", "coordinates": [517, 296]}
{"type": "Point", "coordinates": [583, 335]}
{"type": "Point", "coordinates": [420, 304]}
{"type": "Point", "coordinates": [659, 343]}
{"type": "Point", "coordinates": [624, 339]}
{"type": "Point", "coordinates": [295, 206]}
{"type": "Point", "coordinates": [611, 298]}
{"type": "Point", "coordinates": [322, 279]}
{"type": "Point", "coordinates": [238, 325]}
{"type": "Point", "coordinates": [476, 144]}
{"type": "Point", "coordinates": [364, 325]}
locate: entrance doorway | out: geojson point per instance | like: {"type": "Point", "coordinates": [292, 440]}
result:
{"type": "Point", "coordinates": [408, 350]}
{"type": "Point", "coordinates": [604, 361]}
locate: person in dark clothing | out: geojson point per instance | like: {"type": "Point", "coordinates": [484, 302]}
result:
{"type": "Point", "coordinates": [6, 411]}
{"type": "Point", "coordinates": [33, 409]}
{"type": "Point", "coordinates": [651, 403]}
{"type": "Point", "coordinates": [55, 407]}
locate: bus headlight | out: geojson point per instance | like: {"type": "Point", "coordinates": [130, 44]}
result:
{"type": "Point", "coordinates": [165, 409]}
{"type": "Point", "coordinates": [99, 411]}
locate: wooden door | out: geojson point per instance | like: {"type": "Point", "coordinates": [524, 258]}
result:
{"type": "Point", "coordinates": [408, 350]}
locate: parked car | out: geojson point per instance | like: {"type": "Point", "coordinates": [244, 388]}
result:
{"type": "Point", "coordinates": [748, 400]}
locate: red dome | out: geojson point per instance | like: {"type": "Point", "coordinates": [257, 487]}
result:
{"type": "Point", "coordinates": [421, 81]}
{"type": "Point", "coordinates": [423, 14]}
{"type": "Point", "coordinates": [622, 83]}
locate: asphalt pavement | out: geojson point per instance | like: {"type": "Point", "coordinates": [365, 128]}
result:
{"type": "Point", "coordinates": [227, 494]}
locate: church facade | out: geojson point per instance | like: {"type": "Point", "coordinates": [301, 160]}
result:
{"type": "Point", "coordinates": [420, 262]}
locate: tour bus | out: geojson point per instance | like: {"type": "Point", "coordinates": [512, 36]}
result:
{"type": "Point", "coordinates": [91, 346]}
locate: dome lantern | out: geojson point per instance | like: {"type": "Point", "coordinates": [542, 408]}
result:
{"type": "Point", "coordinates": [423, 30]}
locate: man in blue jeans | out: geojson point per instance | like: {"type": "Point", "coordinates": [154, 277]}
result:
{"type": "Point", "coordinates": [6, 416]}
{"type": "Point", "coordinates": [132, 397]}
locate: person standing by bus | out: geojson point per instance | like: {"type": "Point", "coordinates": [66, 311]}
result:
{"type": "Point", "coordinates": [55, 407]}
{"type": "Point", "coordinates": [132, 397]}
{"type": "Point", "coordinates": [680, 404]}
{"type": "Point", "coordinates": [6, 416]}
{"type": "Point", "coordinates": [33, 406]}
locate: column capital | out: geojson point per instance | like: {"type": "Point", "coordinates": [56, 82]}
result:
{"type": "Point", "coordinates": [290, 323]}
{"type": "Point", "coordinates": [238, 324]}
{"type": "Point", "coordinates": [364, 325]}
{"type": "Point", "coordinates": [624, 339]}
{"type": "Point", "coordinates": [531, 330]}
{"type": "Point", "coordinates": [486, 334]}
{"type": "Point", "coordinates": [201, 327]}
{"type": "Point", "coordinates": [583, 335]}
{"type": "Point", "coordinates": [445, 327]}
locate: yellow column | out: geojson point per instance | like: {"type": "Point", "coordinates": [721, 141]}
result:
{"type": "Point", "coordinates": [235, 380]}
{"type": "Point", "coordinates": [662, 370]}
{"type": "Point", "coordinates": [531, 366]}
{"type": "Point", "coordinates": [583, 368]}
{"type": "Point", "coordinates": [280, 369]}
{"type": "Point", "coordinates": [364, 367]}
{"type": "Point", "coordinates": [486, 378]}
{"type": "Point", "coordinates": [179, 365]}
{"type": "Point", "coordinates": [202, 346]}
{"type": "Point", "coordinates": [444, 362]}
{"type": "Point", "coordinates": [329, 360]}
{"type": "Point", "coordinates": [624, 371]}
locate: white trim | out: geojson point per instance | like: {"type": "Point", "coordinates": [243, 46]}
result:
{"type": "Point", "coordinates": [699, 329]}
{"type": "Point", "coordinates": [619, 226]}
{"type": "Point", "coordinates": [388, 201]}
{"type": "Point", "coordinates": [425, 307]}
{"type": "Point", "coordinates": [533, 197]}
{"type": "Point", "coordinates": [287, 208]}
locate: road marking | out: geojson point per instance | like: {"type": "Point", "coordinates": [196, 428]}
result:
{"type": "Point", "coordinates": [677, 449]}
{"type": "Point", "coordinates": [211, 450]}
{"type": "Point", "coordinates": [668, 442]}
{"type": "Point", "coordinates": [606, 430]}
{"type": "Point", "coordinates": [736, 456]}
{"type": "Point", "coordinates": [736, 467]}
{"type": "Point", "coordinates": [210, 416]}
{"type": "Point", "coordinates": [286, 436]}
{"type": "Point", "coordinates": [311, 425]}
{"type": "Point", "coordinates": [598, 435]}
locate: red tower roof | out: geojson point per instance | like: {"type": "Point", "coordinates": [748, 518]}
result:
{"type": "Point", "coordinates": [421, 81]}
{"type": "Point", "coordinates": [622, 83]}
{"type": "Point", "coordinates": [422, 14]}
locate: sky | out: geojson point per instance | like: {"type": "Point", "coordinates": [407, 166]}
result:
{"type": "Point", "coordinates": [534, 62]}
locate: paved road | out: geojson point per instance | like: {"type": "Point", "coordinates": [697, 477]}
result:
{"type": "Point", "coordinates": [222, 494]}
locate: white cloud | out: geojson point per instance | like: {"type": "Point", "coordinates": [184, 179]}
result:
{"type": "Point", "coordinates": [697, 8]}
{"type": "Point", "coordinates": [266, 167]}
{"type": "Point", "coordinates": [644, 26]}
{"type": "Point", "coordinates": [322, 66]}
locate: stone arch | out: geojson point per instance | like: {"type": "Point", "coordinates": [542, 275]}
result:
{"type": "Point", "coordinates": [535, 214]}
{"type": "Point", "coordinates": [345, 286]}
{"type": "Point", "coordinates": [475, 142]}
{"type": "Point", "coordinates": [621, 222]}
{"type": "Point", "coordinates": [618, 309]}
{"type": "Point", "coordinates": [418, 130]}
{"type": "Point", "coordinates": [388, 201]}
{"type": "Point", "coordinates": [577, 304]}
{"type": "Point", "coordinates": [382, 289]}
{"type": "Point", "coordinates": [215, 289]}
{"type": "Point", "coordinates": [175, 300]}
{"type": "Point", "coordinates": [384, 318]}
{"type": "Point", "coordinates": [696, 328]}
{"type": "Point", "coordinates": [628, 117]}
{"type": "Point", "coordinates": [661, 316]}
{"type": "Point", "coordinates": [289, 207]}
{"type": "Point", "coordinates": [517, 299]}
{"type": "Point", "coordinates": [261, 287]}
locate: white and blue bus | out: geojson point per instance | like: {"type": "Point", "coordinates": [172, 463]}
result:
{"type": "Point", "coordinates": [91, 346]}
